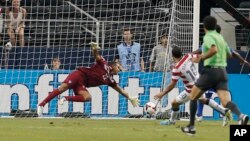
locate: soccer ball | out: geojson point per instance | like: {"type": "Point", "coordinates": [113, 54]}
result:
{"type": "Point", "coordinates": [8, 46]}
{"type": "Point", "coordinates": [150, 108]}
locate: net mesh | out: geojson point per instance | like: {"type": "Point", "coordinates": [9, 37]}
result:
{"type": "Point", "coordinates": [63, 29]}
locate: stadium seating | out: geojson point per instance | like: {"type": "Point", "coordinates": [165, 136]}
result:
{"type": "Point", "coordinates": [47, 16]}
{"type": "Point", "coordinates": [57, 9]}
{"type": "Point", "coordinates": [41, 2]}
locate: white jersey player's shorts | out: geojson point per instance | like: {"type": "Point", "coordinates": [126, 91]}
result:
{"type": "Point", "coordinates": [183, 97]}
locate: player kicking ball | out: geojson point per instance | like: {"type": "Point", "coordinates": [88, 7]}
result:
{"type": "Point", "coordinates": [186, 70]}
{"type": "Point", "coordinates": [101, 73]}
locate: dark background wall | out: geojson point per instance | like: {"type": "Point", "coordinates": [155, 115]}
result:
{"type": "Point", "coordinates": [37, 57]}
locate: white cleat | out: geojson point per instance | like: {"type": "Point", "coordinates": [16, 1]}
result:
{"type": "Point", "coordinates": [39, 111]}
{"type": "Point", "coordinates": [199, 119]}
{"type": "Point", "coordinates": [61, 101]}
{"type": "Point", "coordinates": [243, 120]}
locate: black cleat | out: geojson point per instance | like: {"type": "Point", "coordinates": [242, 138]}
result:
{"type": "Point", "coordinates": [244, 119]}
{"type": "Point", "coordinates": [188, 130]}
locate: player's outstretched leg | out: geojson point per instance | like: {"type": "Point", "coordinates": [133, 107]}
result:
{"type": "Point", "coordinates": [199, 115]}
{"type": "Point", "coordinates": [62, 100]}
{"type": "Point", "coordinates": [225, 100]}
{"type": "Point", "coordinates": [180, 99]}
{"type": "Point", "coordinates": [52, 95]}
{"type": "Point", "coordinates": [243, 119]}
{"type": "Point", "coordinates": [76, 98]}
{"type": "Point", "coordinates": [81, 96]}
{"type": "Point", "coordinates": [224, 111]}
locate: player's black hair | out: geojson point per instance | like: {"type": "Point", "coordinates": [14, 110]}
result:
{"type": "Point", "coordinates": [176, 52]}
{"type": "Point", "coordinates": [210, 23]}
{"type": "Point", "coordinates": [218, 28]}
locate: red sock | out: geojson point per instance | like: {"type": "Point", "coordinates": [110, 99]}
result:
{"type": "Point", "coordinates": [76, 98]}
{"type": "Point", "coordinates": [53, 94]}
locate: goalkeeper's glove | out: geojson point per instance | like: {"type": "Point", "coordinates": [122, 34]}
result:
{"type": "Point", "coordinates": [134, 101]}
{"type": "Point", "coordinates": [94, 46]}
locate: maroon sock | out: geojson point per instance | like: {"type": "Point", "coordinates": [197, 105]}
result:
{"type": "Point", "coordinates": [53, 94]}
{"type": "Point", "coordinates": [76, 98]}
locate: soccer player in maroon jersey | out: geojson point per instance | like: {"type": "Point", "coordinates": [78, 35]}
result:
{"type": "Point", "coordinates": [101, 73]}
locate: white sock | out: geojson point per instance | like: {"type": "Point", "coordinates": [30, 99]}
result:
{"type": "Point", "coordinates": [173, 115]}
{"type": "Point", "coordinates": [216, 106]}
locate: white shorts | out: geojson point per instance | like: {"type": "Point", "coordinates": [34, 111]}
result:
{"type": "Point", "coordinates": [183, 97]}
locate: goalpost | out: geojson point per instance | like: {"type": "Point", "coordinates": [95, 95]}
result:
{"type": "Point", "coordinates": [63, 29]}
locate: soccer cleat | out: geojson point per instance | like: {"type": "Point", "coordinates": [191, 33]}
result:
{"type": "Point", "coordinates": [39, 111]}
{"type": "Point", "coordinates": [167, 122]}
{"type": "Point", "coordinates": [243, 120]}
{"type": "Point", "coordinates": [199, 118]}
{"type": "Point", "coordinates": [227, 117]}
{"type": "Point", "coordinates": [225, 121]}
{"type": "Point", "coordinates": [61, 101]}
{"type": "Point", "coordinates": [189, 130]}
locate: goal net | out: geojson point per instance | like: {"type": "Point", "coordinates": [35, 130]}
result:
{"type": "Point", "coordinates": [62, 30]}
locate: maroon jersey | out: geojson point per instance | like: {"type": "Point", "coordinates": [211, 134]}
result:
{"type": "Point", "coordinates": [98, 74]}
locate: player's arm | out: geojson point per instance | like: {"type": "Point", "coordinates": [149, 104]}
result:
{"type": "Point", "coordinates": [120, 65]}
{"type": "Point", "coordinates": [142, 64]}
{"type": "Point", "coordinates": [95, 47]}
{"type": "Point", "coordinates": [166, 91]}
{"type": "Point", "coordinates": [134, 100]}
{"type": "Point", "coordinates": [142, 60]}
{"type": "Point", "coordinates": [151, 66]}
{"type": "Point", "coordinates": [213, 49]}
{"type": "Point", "coordinates": [152, 60]}
{"type": "Point", "coordinates": [21, 24]}
{"type": "Point", "coordinates": [238, 56]}
{"type": "Point", "coordinates": [7, 11]}
{"type": "Point", "coordinates": [198, 51]}
{"type": "Point", "coordinates": [211, 52]}
{"type": "Point", "coordinates": [120, 90]}
{"type": "Point", "coordinates": [229, 51]}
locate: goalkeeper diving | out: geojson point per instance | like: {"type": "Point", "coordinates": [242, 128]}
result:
{"type": "Point", "coordinates": [101, 73]}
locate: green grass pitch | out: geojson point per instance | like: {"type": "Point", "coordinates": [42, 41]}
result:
{"type": "Point", "coordinates": [32, 129]}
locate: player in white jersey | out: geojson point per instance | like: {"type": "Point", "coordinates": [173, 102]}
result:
{"type": "Point", "coordinates": [185, 69]}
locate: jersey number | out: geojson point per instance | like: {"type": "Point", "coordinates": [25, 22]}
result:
{"type": "Point", "coordinates": [192, 72]}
